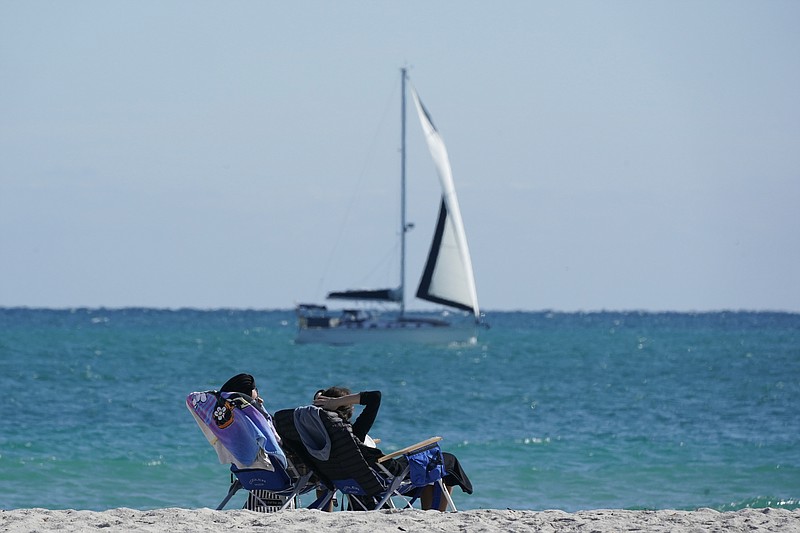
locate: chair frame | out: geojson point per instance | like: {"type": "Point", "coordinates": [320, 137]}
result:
{"type": "Point", "coordinates": [390, 485]}
{"type": "Point", "coordinates": [299, 486]}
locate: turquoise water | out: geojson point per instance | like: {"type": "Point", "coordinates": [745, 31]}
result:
{"type": "Point", "coordinates": [548, 411]}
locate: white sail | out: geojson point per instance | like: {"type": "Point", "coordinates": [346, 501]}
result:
{"type": "Point", "coordinates": [448, 276]}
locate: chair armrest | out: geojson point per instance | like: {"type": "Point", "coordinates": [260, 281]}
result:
{"type": "Point", "coordinates": [408, 449]}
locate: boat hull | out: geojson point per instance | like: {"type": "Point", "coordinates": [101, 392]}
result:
{"type": "Point", "coordinates": [405, 331]}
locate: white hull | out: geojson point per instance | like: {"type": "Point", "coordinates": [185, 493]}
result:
{"type": "Point", "coordinates": [389, 332]}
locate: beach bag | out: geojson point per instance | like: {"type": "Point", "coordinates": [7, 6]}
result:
{"type": "Point", "coordinates": [427, 466]}
{"type": "Point", "coordinates": [264, 501]}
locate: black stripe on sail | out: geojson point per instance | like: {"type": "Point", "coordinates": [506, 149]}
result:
{"type": "Point", "coordinates": [427, 115]}
{"type": "Point", "coordinates": [423, 292]}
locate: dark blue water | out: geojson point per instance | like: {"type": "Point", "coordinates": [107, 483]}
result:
{"type": "Point", "coordinates": [548, 410]}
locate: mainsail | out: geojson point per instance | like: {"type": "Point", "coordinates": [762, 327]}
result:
{"type": "Point", "coordinates": [448, 278]}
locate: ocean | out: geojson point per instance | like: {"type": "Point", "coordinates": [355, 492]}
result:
{"type": "Point", "coordinates": [563, 411]}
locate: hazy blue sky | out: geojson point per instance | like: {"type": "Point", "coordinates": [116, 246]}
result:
{"type": "Point", "coordinates": [607, 155]}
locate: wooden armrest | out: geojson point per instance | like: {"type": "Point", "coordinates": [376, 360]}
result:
{"type": "Point", "coordinates": [407, 449]}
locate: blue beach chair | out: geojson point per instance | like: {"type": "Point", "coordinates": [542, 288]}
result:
{"type": "Point", "coordinates": [268, 491]}
{"type": "Point", "coordinates": [327, 445]}
{"type": "Point", "coordinates": [244, 436]}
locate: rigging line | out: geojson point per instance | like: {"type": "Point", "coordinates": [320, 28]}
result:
{"type": "Point", "coordinates": [390, 254]}
{"type": "Point", "coordinates": [367, 159]}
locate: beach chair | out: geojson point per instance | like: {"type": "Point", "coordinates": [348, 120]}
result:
{"type": "Point", "coordinates": [327, 445]}
{"type": "Point", "coordinates": [244, 436]}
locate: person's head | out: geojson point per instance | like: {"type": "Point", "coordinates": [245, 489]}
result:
{"type": "Point", "coordinates": [243, 383]}
{"type": "Point", "coordinates": [346, 411]}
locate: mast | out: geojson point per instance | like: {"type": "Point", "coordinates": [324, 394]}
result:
{"type": "Point", "coordinates": [403, 226]}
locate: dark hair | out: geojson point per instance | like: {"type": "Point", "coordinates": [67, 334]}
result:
{"type": "Point", "coordinates": [244, 383]}
{"type": "Point", "coordinates": [345, 411]}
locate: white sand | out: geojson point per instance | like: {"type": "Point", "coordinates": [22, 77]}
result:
{"type": "Point", "coordinates": [202, 520]}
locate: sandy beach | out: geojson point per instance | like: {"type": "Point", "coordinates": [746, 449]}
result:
{"type": "Point", "coordinates": [206, 520]}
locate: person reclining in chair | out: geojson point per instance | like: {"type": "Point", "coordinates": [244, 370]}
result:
{"type": "Point", "coordinates": [341, 400]}
{"type": "Point", "coordinates": [242, 432]}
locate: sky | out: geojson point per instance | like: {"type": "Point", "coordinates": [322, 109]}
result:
{"type": "Point", "coordinates": [614, 155]}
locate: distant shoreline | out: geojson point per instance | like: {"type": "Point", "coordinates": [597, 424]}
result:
{"type": "Point", "coordinates": [488, 520]}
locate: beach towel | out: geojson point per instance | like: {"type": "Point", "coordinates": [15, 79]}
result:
{"type": "Point", "coordinates": [238, 431]}
{"type": "Point", "coordinates": [312, 432]}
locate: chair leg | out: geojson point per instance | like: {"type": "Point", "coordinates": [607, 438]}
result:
{"type": "Point", "coordinates": [322, 500]}
{"type": "Point", "coordinates": [235, 486]}
{"type": "Point", "coordinates": [355, 502]}
{"type": "Point", "coordinates": [296, 492]}
{"type": "Point", "coordinates": [396, 482]}
{"type": "Point", "coordinates": [446, 494]}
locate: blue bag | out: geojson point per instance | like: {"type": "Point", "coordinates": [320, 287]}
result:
{"type": "Point", "coordinates": [426, 466]}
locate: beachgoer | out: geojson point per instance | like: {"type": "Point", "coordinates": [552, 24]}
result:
{"type": "Point", "coordinates": [246, 384]}
{"type": "Point", "coordinates": [342, 400]}
{"type": "Point", "coordinates": [257, 500]}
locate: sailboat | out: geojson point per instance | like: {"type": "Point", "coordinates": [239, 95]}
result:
{"type": "Point", "coordinates": [447, 278]}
